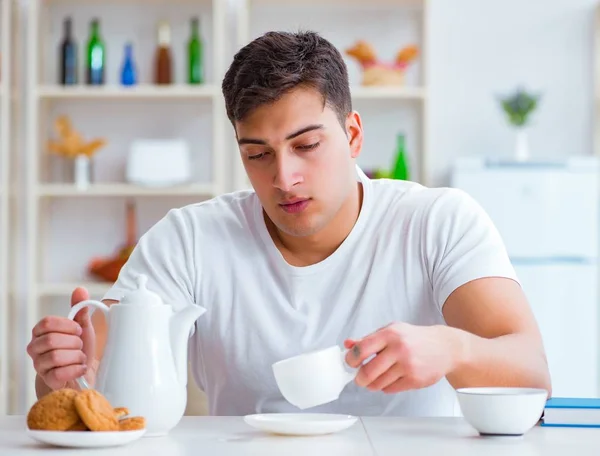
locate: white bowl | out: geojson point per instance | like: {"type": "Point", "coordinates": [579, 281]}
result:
{"type": "Point", "coordinates": [502, 411]}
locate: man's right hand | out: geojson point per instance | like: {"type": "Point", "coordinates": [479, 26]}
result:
{"type": "Point", "coordinates": [63, 350]}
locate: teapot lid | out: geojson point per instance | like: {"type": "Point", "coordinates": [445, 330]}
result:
{"type": "Point", "coordinates": [142, 296]}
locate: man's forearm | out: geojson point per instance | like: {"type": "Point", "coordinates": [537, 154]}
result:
{"type": "Point", "coordinates": [511, 360]}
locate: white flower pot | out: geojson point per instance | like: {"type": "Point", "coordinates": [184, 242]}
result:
{"type": "Point", "coordinates": [522, 145]}
{"type": "Point", "coordinates": [82, 172]}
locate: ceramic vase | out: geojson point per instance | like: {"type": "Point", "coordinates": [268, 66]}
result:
{"type": "Point", "coordinates": [522, 145]}
{"type": "Point", "coordinates": [82, 171]}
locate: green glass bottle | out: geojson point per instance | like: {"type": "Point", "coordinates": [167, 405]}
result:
{"type": "Point", "coordinates": [195, 54]}
{"type": "Point", "coordinates": [401, 169]}
{"type": "Point", "coordinates": [96, 55]}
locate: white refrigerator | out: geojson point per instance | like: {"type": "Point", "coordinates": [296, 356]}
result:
{"type": "Point", "coordinates": [547, 214]}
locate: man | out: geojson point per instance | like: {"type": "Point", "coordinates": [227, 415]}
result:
{"type": "Point", "coordinates": [319, 255]}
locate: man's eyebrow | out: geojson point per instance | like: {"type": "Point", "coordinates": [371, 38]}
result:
{"type": "Point", "coordinates": [262, 142]}
{"type": "Point", "coordinates": [243, 141]}
{"type": "Point", "coordinates": [304, 130]}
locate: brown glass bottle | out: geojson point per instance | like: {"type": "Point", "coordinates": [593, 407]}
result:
{"type": "Point", "coordinates": [163, 64]}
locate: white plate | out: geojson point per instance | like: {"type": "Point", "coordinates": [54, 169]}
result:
{"type": "Point", "coordinates": [300, 423]}
{"type": "Point", "coordinates": [85, 439]}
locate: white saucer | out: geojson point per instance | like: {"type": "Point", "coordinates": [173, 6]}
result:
{"type": "Point", "coordinates": [300, 423]}
{"type": "Point", "coordinates": [85, 439]}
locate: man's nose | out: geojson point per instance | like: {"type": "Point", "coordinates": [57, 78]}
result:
{"type": "Point", "coordinates": [287, 173]}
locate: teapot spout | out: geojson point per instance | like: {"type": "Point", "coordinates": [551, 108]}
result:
{"type": "Point", "coordinates": [180, 326]}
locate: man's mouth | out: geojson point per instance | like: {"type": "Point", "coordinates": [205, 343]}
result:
{"type": "Point", "coordinates": [295, 205]}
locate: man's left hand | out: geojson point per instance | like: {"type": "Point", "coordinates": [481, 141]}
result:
{"type": "Point", "coordinates": [407, 357]}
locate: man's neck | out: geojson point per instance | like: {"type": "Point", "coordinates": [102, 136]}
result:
{"type": "Point", "coordinates": [307, 250]}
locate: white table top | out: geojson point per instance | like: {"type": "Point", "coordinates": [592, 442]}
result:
{"type": "Point", "coordinates": [369, 437]}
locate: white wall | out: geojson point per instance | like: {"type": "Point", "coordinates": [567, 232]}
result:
{"type": "Point", "coordinates": [385, 26]}
{"type": "Point", "coordinates": [481, 48]}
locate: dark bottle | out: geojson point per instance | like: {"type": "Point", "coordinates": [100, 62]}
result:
{"type": "Point", "coordinates": [96, 55]}
{"type": "Point", "coordinates": [128, 70]}
{"type": "Point", "coordinates": [163, 62]}
{"type": "Point", "coordinates": [195, 54]}
{"type": "Point", "coordinates": [68, 55]}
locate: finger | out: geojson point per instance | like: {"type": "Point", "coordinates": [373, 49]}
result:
{"type": "Point", "coordinates": [53, 324]}
{"type": "Point", "coordinates": [349, 343]}
{"type": "Point", "coordinates": [60, 375]}
{"type": "Point", "coordinates": [400, 385]}
{"type": "Point", "coordinates": [54, 341]}
{"type": "Point", "coordinates": [80, 294]}
{"type": "Point", "coordinates": [88, 335]}
{"type": "Point", "coordinates": [367, 347]}
{"type": "Point", "coordinates": [392, 375]}
{"type": "Point", "coordinates": [378, 366]}
{"type": "Point", "coordinates": [58, 358]}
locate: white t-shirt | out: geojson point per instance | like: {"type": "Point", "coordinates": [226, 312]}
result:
{"type": "Point", "coordinates": [409, 249]}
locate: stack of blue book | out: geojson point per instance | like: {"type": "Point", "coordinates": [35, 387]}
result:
{"type": "Point", "coordinates": [572, 412]}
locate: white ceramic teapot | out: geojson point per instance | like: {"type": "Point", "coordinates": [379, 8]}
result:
{"type": "Point", "coordinates": [144, 365]}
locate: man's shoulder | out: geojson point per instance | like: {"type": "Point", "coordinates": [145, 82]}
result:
{"type": "Point", "coordinates": [233, 203]}
{"type": "Point", "coordinates": [228, 211]}
{"type": "Point", "coordinates": [407, 195]}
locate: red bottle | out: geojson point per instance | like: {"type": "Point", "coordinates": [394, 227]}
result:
{"type": "Point", "coordinates": [163, 65]}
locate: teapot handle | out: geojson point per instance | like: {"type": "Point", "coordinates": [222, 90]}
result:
{"type": "Point", "coordinates": [350, 372]}
{"type": "Point", "coordinates": [83, 384]}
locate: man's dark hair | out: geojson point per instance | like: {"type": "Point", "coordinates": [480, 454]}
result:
{"type": "Point", "coordinates": [277, 62]}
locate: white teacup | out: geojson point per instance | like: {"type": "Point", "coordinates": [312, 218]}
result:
{"type": "Point", "coordinates": [313, 378]}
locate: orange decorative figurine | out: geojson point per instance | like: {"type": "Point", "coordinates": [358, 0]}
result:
{"type": "Point", "coordinates": [70, 143]}
{"type": "Point", "coordinates": [377, 72]}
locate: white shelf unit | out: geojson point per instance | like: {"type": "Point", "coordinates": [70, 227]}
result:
{"type": "Point", "coordinates": [596, 76]}
{"type": "Point", "coordinates": [343, 22]}
{"type": "Point", "coordinates": [118, 109]}
{"type": "Point", "coordinates": [139, 92]}
{"type": "Point", "coordinates": [6, 49]}
{"type": "Point", "coordinates": [64, 290]}
{"type": "Point", "coordinates": [124, 190]}
{"type": "Point", "coordinates": [596, 123]}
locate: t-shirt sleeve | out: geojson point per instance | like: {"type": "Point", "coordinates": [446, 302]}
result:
{"type": "Point", "coordinates": [165, 255]}
{"type": "Point", "coordinates": [461, 244]}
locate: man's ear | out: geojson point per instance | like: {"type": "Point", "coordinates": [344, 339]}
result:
{"type": "Point", "coordinates": [354, 131]}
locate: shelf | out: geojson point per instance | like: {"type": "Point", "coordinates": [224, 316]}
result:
{"type": "Point", "coordinates": [391, 93]}
{"type": "Point", "coordinates": [117, 189]}
{"type": "Point", "coordinates": [142, 92]}
{"type": "Point", "coordinates": [204, 121]}
{"type": "Point", "coordinates": [120, 2]}
{"type": "Point", "coordinates": [65, 289]}
{"type": "Point", "coordinates": [345, 3]}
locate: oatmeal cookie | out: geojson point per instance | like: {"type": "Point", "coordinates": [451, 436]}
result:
{"type": "Point", "coordinates": [121, 412]}
{"type": "Point", "coordinates": [135, 423]}
{"type": "Point", "coordinates": [79, 426]}
{"type": "Point", "coordinates": [95, 411]}
{"type": "Point", "coordinates": [54, 412]}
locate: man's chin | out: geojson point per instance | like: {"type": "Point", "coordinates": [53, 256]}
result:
{"type": "Point", "coordinates": [297, 229]}
{"type": "Point", "coordinates": [296, 225]}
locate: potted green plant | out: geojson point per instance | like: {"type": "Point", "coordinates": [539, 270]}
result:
{"type": "Point", "coordinates": [518, 108]}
